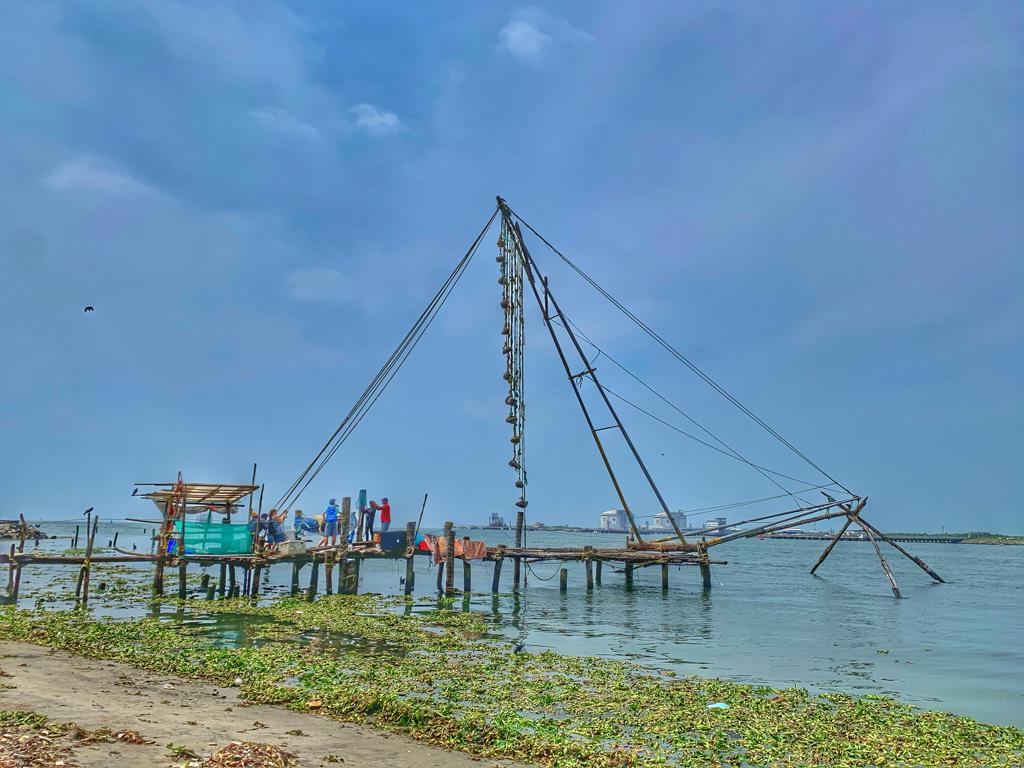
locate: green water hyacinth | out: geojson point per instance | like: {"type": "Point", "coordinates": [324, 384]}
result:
{"type": "Point", "coordinates": [436, 674]}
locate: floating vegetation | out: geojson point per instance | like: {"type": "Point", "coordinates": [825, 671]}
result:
{"type": "Point", "coordinates": [438, 675]}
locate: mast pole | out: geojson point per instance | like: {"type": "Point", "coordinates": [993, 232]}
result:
{"type": "Point", "coordinates": [549, 300]}
{"type": "Point", "coordinates": [532, 279]}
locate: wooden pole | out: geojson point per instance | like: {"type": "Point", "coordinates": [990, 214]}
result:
{"type": "Point", "coordinates": [314, 575]}
{"type": "Point", "coordinates": [328, 574]}
{"type": "Point", "coordinates": [705, 576]}
{"type": "Point", "coordinates": [116, 534]}
{"type": "Point", "coordinates": [563, 579]}
{"type": "Point", "coordinates": [182, 578]}
{"type": "Point", "coordinates": [449, 557]}
{"type": "Point", "coordinates": [410, 557]}
{"type": "Point", "coordinates": [356, 564]}
{"type": "Point", "coordinates": [10, 573]}
{"type": "Point", "coordinates": [467, 578]}
{"type": "Point", "coordinates": [597, 575]}
{"type": "Point", "coordinates": [440, 578]}
{"type": "Point", "coordinates": [204, 582]}
{"type": "Point", "coordinates": [74, 541]}
{"type": "Point", "coordinates": [22, 533]}
{"type": "Point", "coordinates": [221, 578]}
{"type": "Point", "coordinates": [629, 574]}
{"type": "Point", "coordinates": [516, 566]}
{"type": "Point", "coordinates": [232, 586]}
{"type": "Point", "coordinates": [254, 582]}
{"type": "Point", "coordinates": [211, 592]}
{"type": "Point", "coordinates": [588, 567]}
{"type": "Point", "coordinates": [664, 576]}
{"type": "Point", "coordinates": [296, 567]}
{"type": "Point", "coordinates": [496, 577]}
{"type": "Point", "coordinates": [882, 560]}
{"type": "Point", "coordinates": [831, 544]}
{"type": "Point", "coordinates": [86, 565]}
{"type": "Point", "coordinates": [916, 560]}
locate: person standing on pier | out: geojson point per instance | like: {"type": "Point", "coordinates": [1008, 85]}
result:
{"type": "Point", "coordinates": [385, 513]}
{"type": "Point", "coordinates": [330, 524]}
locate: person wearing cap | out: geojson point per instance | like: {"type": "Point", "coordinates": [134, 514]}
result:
{"type": "Point", "coordinates": [385, 513]}
{"type": "Point", "coordinates": [330, 524]}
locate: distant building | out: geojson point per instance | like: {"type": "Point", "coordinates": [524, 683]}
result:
{"type": "Point", "coordinates": [613, 520]}
{"type": "Point", "coordinates": [496, 521]}
{"type": "Point", "coordinates": [716, 525]}
{"type": "Point", "coordinates": [660, 521]}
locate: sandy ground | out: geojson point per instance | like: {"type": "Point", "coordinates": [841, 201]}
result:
{"type": "Point", "coordinates": [205, 718]}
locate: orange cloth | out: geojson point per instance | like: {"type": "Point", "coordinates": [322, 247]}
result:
{"type": "Point", "coordinates": [465, 549]}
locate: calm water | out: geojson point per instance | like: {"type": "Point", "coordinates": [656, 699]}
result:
{"type": "Point", "coordinates": [955, 646]}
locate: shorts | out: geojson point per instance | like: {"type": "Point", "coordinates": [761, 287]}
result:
{"type": "Point", "coordinates": [331, 528]}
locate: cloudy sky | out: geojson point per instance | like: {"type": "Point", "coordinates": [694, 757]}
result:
{"type": "Point", "coordinates": [822, 205]}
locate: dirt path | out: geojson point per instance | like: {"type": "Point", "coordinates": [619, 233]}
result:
{"type": "Point", "coordinates": [202, 717]}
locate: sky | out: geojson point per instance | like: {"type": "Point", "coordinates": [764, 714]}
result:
{"type": "Point", "coordinates": [821, 205]}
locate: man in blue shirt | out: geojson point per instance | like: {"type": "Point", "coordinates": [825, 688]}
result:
{"type": "Point", "coordinates": [331, 523]}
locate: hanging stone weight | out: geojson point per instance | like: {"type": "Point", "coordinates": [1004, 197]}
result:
{"type": "Point", "coordinates": [506, 349]}
{"type": "Point", "coordinates": [519, 484]}
{"type": "Point", "coordinates": [502, 280]}
{"type": "Point", "coordinates": [504, 303]}
{"type": "Point", "coordinates": [514, 463]}
{"type": "Point", "coordinates": [506, 330]}
{"type": "Point", "coordinates": [510, 400]}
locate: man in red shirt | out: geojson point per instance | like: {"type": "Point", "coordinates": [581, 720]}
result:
{"type": "Point", "coordinates": [385, 514]}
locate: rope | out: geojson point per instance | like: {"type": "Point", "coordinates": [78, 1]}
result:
{"type": "Point", "coordinates": [382, 379]}
{"type": "Point", "coordinates": [661, 341]}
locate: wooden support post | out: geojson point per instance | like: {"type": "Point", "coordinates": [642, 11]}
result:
{"type": "Point", "coordinates": [232, 586]}
{"type": "Point", "coordinates": [329, 574]}
{"type": "Point", "coordinates": [85, 566]}
{"type": "Point", "coordinates": [356, 565]}
{"type": "Point", "coordinates": [449, 557]}
{"type": "Point", "coordinates": [496, 577]}
{"type": "Point", "coordinates": [221, 578]}
{"type": "Point", "coordinates": [831, 544]}
{"type": "Point", "coordinates": [346, 520]}
{"type": "Point", "coordinates": [597, 575]}
{"type": "Point", "coordinates": [629, 574]}
{"type": "Point", "coordinates": [314, 576]}
{"type": "Point", "coordinates": [211, 592]}
{"type": "Point", "coordinates": [254, 582]}
{"type": "Point", "coordinates": [182, 578]}
{"type": "Point", "coordinates": [516, 565]}
{"type": "Point", "coordinates": [343, 565]}
{"type": "Point", "coordinates": [705, 576]}
{"type": "Point", "coordinates": [10, 573]}
{"type": "Point", "coordinates": [588, 566]}
{"type": "Point", "coordinates": [204, 582]}
{"type": "Point", "coordinates": [410, 557]}
{"type": "Point", "coordinates": [882, 560]}
{"type": "Point", "coordinates": [440, 578]}
{"type": "Point", "coordinates": [116, 534]}
{"type": "Point", "coordinates": [296, 567]}
{"type": "Point", "coordinates": [467, 578]}
{"type": "Point", "coordinates": [916, 560]}
{"type": "Point", "coordinates": [158, 578]}
{"type": "Point", "coordinates": [563, 579]}
{"type": "Point", "coordinates": [74, 541]}
{"type": "Point", "coordinates": [22, 534]}
{"type": "Point", "coordinates": [664, 576]}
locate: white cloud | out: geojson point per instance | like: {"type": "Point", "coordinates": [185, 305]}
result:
{"type": "Point", "coordinates": [320, 284]}
{"type": "Point", "coordinates": [523, 40]}
{"type": "Point", "coordinates": [374, 121]}
{"type": "Point", "coordinates": [278, 120]}
{"type": "Point", "coordinates": [90, 173]}
{"type": "Point", "coordinates": [533, 31]}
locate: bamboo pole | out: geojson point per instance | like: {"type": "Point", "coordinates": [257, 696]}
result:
{"type": "Point", "coordinates": [916, 560]}
{"type": "Point", "coordinates": [516, 565]}
{"type": "Point", "coordinates": [882, 560]}
{"type": "Point", "coordinates": [87, 565]}
{"type": "Point", "coordinates": [831, 544]}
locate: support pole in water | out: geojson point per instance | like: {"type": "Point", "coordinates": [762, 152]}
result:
{"type": "Point", "coordinates": [440, 578]}
{"type": "Point", "coordinates": [516, 564]}
{"type": "Point", "coordinates": [328, 573]}
{"type": "Point", "coordinates": [314, 574]}
{"type": "Point", "coordinates": [882, 560]}
{"type": "Point", "coordinates": [664, 576]}
{"type": "Point", "coordinates": [410, 555]}
{"type": "Point", "coordinates": [232, 586]}
{"type": "Point", "coordinates": [629, 574]}
{"type": "Point", "coordinates": [831, 544]}
{"type": "Point", "coordinates": [588, 567]}
{"type": "Point", "coordinates": [182, 578]}
{"type": "Point", "coordinates": [597, 575]}
{"type": "Point", "coordinates": [254, 585]}
{"type": "Point", "coordinates": [467, 578]}
{"type": "Point", "coordinates": [705, 576]}
{"type": "Point", "coordinates": [449, 557]}
{"type": "Point", "coordinates": [85, 566]}
{"type": "Point", "coordinates": [563, 580]}
{"type": "Point", "coordinates": [221, 578]}
{"type": "Point", "coordinates": [496, 577]}
{"type": "Point", "coordinates": [294, 587]}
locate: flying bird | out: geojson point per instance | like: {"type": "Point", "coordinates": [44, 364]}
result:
{"type": "Point", "coordinates": [89, 309]}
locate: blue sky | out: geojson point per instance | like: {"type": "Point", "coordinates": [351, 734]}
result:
{"type": "Point", "coordinates": [823, 205]}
